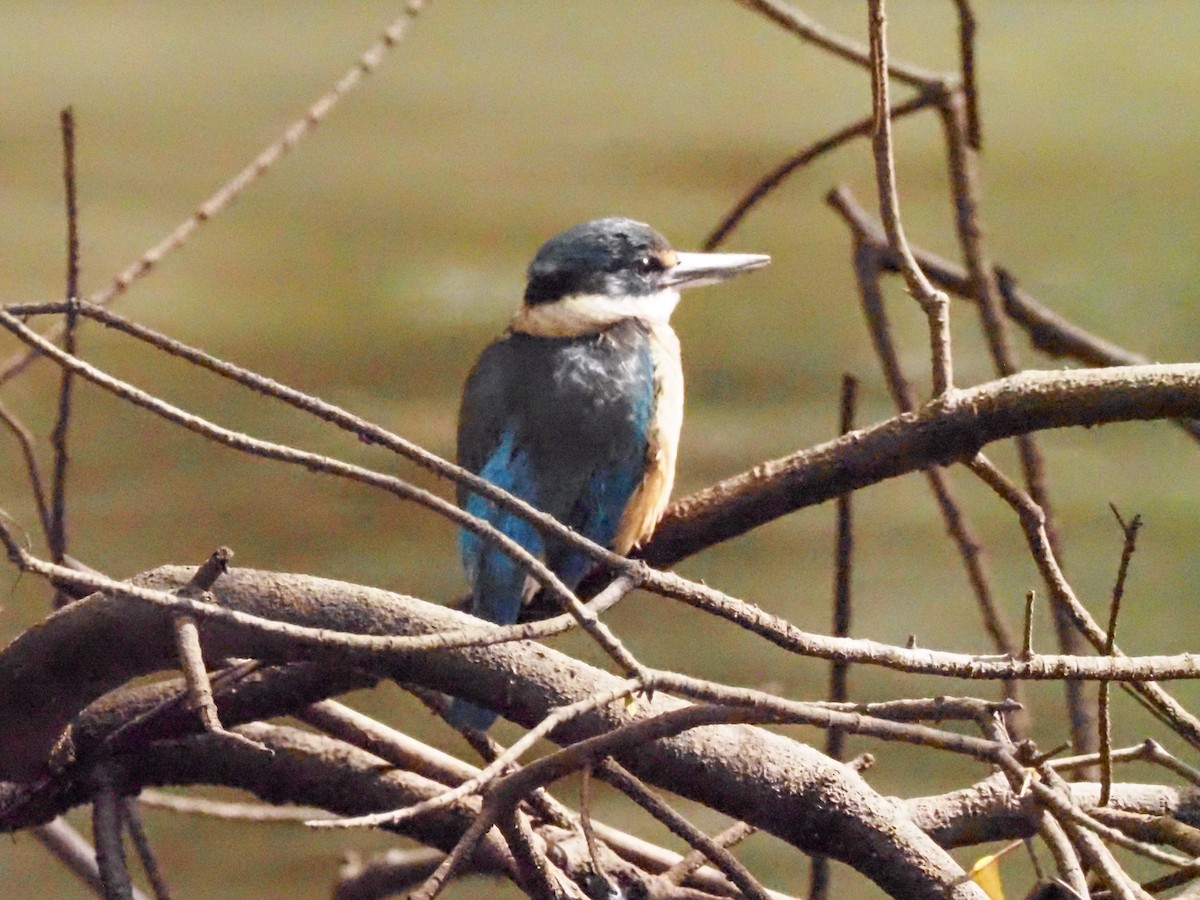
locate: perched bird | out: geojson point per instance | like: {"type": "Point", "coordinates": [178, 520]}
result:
{"type": "Point", "coordinates": [577, 408]}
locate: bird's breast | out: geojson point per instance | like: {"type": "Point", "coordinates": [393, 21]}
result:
{"type": "Point", "coordinates": [665, 422]}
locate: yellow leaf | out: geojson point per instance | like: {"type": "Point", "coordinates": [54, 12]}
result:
{"type": "Point", "coordinates": [986, 874]}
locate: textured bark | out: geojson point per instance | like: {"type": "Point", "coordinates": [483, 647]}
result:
{"type": "Point", "coordinates": [789, 789]}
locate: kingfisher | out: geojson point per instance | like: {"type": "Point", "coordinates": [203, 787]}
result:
{"type": "Point", "coordinates": [577, 408]}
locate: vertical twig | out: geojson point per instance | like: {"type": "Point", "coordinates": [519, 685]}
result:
{"type": "Point", "coordinates": [1027, 641]}
{"type": "Point", "coordinates": [106, 831]}
{"type": "Point", "coordinates": [835, 739]}
{"type": "Point", "coordinates": [935, 303]}
{"type": "Point", "coordinates": [970, 87]}
{"type": "Point", "coordinates": [844, 550]}
{"type": "Point", "coordinates": [868, 256]}
{"type": "Point", "coordinates": [585, 820]}
{"type": "Point", "coordinates": [1130, 532]}
{"type": "Point", "coordinates": [191, 661]}
{"type": "Point", "coordinates": [69, 847]}
{"type": "Point", "coordinates": [964, 182]}
{"type": "Point", "coordinates": [191, 653]}
{"type": "Point", "coordinates": [58, 490]}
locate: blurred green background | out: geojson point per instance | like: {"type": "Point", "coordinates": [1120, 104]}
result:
{"type": "Point", "coordinates": [372, 265]}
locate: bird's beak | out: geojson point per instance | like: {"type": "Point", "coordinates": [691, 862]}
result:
{"type": "Point", "coordinates": [696, 269]}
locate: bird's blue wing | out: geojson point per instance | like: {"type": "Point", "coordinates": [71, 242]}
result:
{"type": "Point", "coordinates": [497, 580]}
{"type": "Point", "coordinates": [562, 426]}
{"type": "Point", "coordinates": [598, 510]}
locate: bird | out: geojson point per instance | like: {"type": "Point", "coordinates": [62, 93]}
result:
{"type": "Point", "coordinates": [577, 408]}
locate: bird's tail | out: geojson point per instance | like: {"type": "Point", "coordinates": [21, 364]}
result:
{"type": "Point", "coordinates": [497, 592]}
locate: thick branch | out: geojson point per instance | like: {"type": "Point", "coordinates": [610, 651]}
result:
{"type": "Point", "coordinates": [991, 811]}
{"type": "Point", "coordinates": [50, 673]}
{"type": "Point", "coordinates": [775, 783]}
{"type": "Point", "coordinates": [946, 430]}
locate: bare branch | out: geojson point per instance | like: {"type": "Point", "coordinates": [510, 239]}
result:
{"type": "Point", "coordinates": [106, 826]}
{"type": "Point", "coordinates": [970, 89]}
{"type": "Point", "coordinates": [137, 832]}
{"type": "Point", "coordinates": [69, 848]}
{"type": "Point", "coordinates": [947, 430]}
{"type": "Point", "coordinates": [315, 462]}
{"type": "Point", "coordinates": [714, 851]}
{"type": "Point", "coordinates": [796, 22]}
{"type": "Point", "coordinates": [231, 190]}
{"type": "Point", "coordinates": [32, 467]}
{"type": "Point", "coordinates": [935, 303]}
{"type": "Point", "coordinates": [1130, 532]}
{"type": "Point", "coordinates": [835, 739]}
{"type": "Point", "coordinates": [867, 271]}
{"type": "Point", "coordinates": [57, 534]}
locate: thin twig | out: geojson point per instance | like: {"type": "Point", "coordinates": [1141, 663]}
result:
{"type": "Point", "coordinates": [107, 832]}
{"type": "Point", "coordinates": [712, 849]}
{"type": "Point", "coordinates": [835, 739]}
{"type": "Point", "coordinates": [57, 536]}
{"type": "Point", "coordinates": [730, 837]}
{"type": "Point", "coordinates": [585, 824]}
{"type": "Point", "coordinates": [234, 812]}
{"type": "Point", "coordinates": [141, 842]}
{"type": "Point", "coordinates": [970, 88]}
{"type": "Point", "coordinates": [1027, 640]}
{"type": "Point", "coordinates": [843, 561]}
{"type": "Point", "coordinates": [797, 161]}
{"type": "Point", "coordinates": [1032, 520]}
{"type": "Point", "coordinates": [600, 632]}
{"type": "Point", "coordinates": [367, 63]}
{"type": "Point", "coordinates": [805, 27]}
{"type": "Point", "coordinates": [935, 303]}
{"type": "Point", "coordinates": [191, 654]}
{"type": "Point", "coordinates": [32, 467]}
{"type": "Point", "coordinates": [1129, 546]}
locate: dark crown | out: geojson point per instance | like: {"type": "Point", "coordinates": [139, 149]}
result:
{"type": "Point", "coordinates": [611, 257]}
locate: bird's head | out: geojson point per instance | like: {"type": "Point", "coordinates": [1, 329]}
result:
{"type": "Point", "coordinates": [601, 272]}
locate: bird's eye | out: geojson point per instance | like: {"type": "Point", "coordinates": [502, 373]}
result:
{"type": "Point", "coordinates": [645, 265]}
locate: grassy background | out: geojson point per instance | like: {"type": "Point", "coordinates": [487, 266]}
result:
{"type": "Point", "coordinates": [371, 266]}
